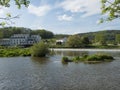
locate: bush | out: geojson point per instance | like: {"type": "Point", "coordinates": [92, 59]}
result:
{"type": "Point", "coordinates": [66, 59]}
{"type": "Point", "coordinates": [76, 59]}
{"type": "Point", "coordinates": [14, 52]}
{"type": "Point", "coordinates": [99, 57]}
{"type": "Point", "coordinates": [95, 58]}
{"type": "Point", "coordinates": [39, 50]}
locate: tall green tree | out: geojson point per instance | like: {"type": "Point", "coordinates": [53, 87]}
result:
{"type": "Point", "coordinates": [85, 40]}
{"type": "Point", "coordinates": [74, 41]}
{"type": "Point", "coordinates": [39, 50]}
{"type": "Point", "coordinates": [112, 8]}
{"type": "Point", "coordinates": [117, 38]}
{"type": "Point", "coordinates": [100, 38]}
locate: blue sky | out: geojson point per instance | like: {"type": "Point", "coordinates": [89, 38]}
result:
{"type": "Point", "coordinates": [61, 16]}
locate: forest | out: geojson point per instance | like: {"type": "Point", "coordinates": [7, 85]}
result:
{"type": "Point", "coordinates": [102, 37]}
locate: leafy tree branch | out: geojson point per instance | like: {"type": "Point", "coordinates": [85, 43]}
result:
{"type": "Point", "coordinates": [112, 8]}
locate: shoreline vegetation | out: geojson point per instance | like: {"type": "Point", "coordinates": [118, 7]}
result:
{"type": "Point", "coordinates": [37, 50]}
{"type": "Point", "coordinates": [31, 51]}
{"type": "Point", "coordinates": [90, 47]}
{"type": "Point", "coordinates": [41, 50]}
{"type": "Point", "coordinates": [94, 58]}
{"type": "Point", "coordinates": [15, 52]}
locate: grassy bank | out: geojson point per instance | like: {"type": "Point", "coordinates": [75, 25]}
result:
{"type": "Point", "coordinates": [37, 50]}
{"type": "Point", "coordinates": [14, 52]}
{"type": "Point", "coordinates": [90, 47]}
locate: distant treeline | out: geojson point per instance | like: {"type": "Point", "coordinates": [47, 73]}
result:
{"type": "Point", "coordinates": [9, 31]}
{"type": "Point", "coordinates": [108, 35]}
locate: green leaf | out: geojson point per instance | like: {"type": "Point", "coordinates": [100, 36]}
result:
{"type": "Point", "coordinates": [8, 15]}
{"type": "Point", "coordinates": [103, 1]}
{"type": "Point", "coordinates": [2, 24]}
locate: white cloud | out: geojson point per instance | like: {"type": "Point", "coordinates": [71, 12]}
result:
{"type": "Point", "coordinates": [65, 18]}
{"type": "Point", "coordinates": [39, 11]}
{"type": "Point", "coordinates": [3, 11]}
{"type": "Point", "coordinates": [88, 7]}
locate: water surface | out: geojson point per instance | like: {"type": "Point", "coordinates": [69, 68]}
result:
{"type": "Point", "coordinates": [26, 73]}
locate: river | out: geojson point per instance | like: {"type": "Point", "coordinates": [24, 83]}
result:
{"type": "Point", "coordinates": [26, 73]}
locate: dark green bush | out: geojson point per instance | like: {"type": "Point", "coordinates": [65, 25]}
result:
{"type": "Point", "coordinates": [13, 52]}
{"type": "Point", "coordinates": [66, 59]}
{"type": "Point", "coordinates": [76, 59]}
{"type": "Point", "coordinates": [99, 57]}
{"type": "Point", "coordinates": [95, 58]}
{"type": "Point", "coordinates": [39, 50]}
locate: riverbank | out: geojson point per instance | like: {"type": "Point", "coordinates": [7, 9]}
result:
{"type": "Point", "coordinates": [80, 49]}
{"type": "Point", "coordinates": [14, 52]}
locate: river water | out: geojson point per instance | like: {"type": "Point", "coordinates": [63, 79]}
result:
{"type": "Point", "coordinates": [26, 73]}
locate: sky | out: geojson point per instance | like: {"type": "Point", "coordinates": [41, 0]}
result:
{"type": "Point", "coordinates": [61, 16]}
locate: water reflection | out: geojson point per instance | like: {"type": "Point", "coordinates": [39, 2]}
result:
{"type": "Point", "coordinates": [28, 73]}
{"type": "Point", "coordinates": [71, 53]}
{"type": "Point", "coordinates": [42, 60]}
{"type": "Point", "coordinates": [81, 53]}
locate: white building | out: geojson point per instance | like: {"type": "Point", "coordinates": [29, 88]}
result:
{"type": "Point", "coordinates": [21, 40]}
{"type": "Point", "coordinates": [4, 42]}
{"type": "Point", "coordinates": [61, 41]}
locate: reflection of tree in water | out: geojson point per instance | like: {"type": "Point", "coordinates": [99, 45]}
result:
{"type": "Point", "coordinates": [64, 63]}
{"type": "Point", "coordinates": [40, 60]}
{"type": "Point", "coordinates": [114, 54]}
{"type": "Point", "coordinates": [71, 53]}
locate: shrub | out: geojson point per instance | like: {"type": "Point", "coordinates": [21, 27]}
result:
{"type": "Point", "coordinates": [66, 59]}
{"type": "Point", "coordinates": [76, 59]}
{"type": "Point", "coordinates": [99, 57]}
{"type": "Point", "coordinates": [39, 50]}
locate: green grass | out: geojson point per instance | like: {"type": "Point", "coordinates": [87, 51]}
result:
{"type": "Point", "coordinates": [98, 57]}
{"type": "Point", "coordinates": [14, 52]}
{"type": "Point", "coordinates": [89, 58]}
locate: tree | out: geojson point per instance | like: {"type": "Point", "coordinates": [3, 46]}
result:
{"type": "Point", "coordinates": [85, 40]}
{"type": "Point", "coordinates": [112, 7]}
{"type": "Point", "coordinates": [13, 30]}
{"type": "Point", "coordinates": [19, 3]}
{"type": "Point", "coordinates": [100, 38]}
{"type": "Point", "coordinates": [43, 33]}
{"type": "Point", "coordinates": [6, 3]}
{"type": "Point", "coordinates": [74, 41]}
{"type": "Point", "coordinates": [39, 50]}
{"type": "Point", "coordinates": [117, 38]}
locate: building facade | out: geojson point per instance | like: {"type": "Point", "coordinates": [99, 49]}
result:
{"type": "Point", "coordinates": [20, 40]}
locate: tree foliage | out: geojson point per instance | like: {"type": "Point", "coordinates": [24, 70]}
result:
{"type": "Point", "coordinates": [39, 50]}
{"type": "Point", "coordinates": [100, 38]}
{"type": "Point", "coordinates": [85, 40]}
{"type": "Point", "coordinates": [112, 7]}
{"type": "Point", "coordinates": [21, 30]}
{"type": "Point", "coordinates": [75, 41]}
{"type": "Point", "coordinates": [13, 30]}
{"type": "Point", "coordinates": [110, 35]}
{"type": "Point", "coordinates": [117, 39]}
{"type": "Point", "coordinates": [19, 3]}
{"type": "Point", "coordinates": [43, 33]}
{"type": "Point", "coordinates": [8, 18]}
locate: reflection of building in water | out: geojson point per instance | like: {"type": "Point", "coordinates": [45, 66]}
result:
{"type": "Point", "coordinates": [20, 40]}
